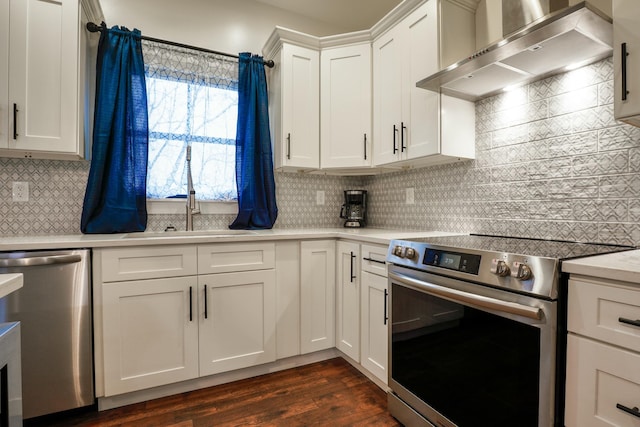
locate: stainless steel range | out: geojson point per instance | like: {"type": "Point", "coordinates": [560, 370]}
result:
{"type": "Point", "coordinates": [478, 332]}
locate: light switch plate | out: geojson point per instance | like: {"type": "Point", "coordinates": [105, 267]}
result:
{"type": "Point", "coordinates": [320, 197]}
{"type": "Point", "coordinates": [20, 191]}
{"type": "Point", "coordinates": [410, 198]}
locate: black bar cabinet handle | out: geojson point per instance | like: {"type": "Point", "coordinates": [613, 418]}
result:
{"type": "Point", "coordinates": [352, 276]}
{"type": "Point", "coordinates": [374, 260]}
{"type": "Point", "coordinates": [623, 63]}
{"type": "Point", "coordinates": [632, 411]}
{"type": "Point", "coordinates": [190, 303]}
{"type": "Point", "coordinates": [629, 321]}
{"type": "Point", "coordinates": [365, 146]}
{"type": "Point", "coordinates": [205, 301]}
{"type": "Point", "coordinates": [395, 131]}
{"type": "Point", "coordinates": [402, 128]}
{"type": "Point", "coordinates": [15, 121]}
{"type": "Point", "coordinates": [288, 146]}
{"type": "Point", "coordinates": [386, 295]}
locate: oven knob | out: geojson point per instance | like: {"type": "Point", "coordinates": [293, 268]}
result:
{"type": "Point", "coordinates": [410, 253]}
{"type": "Point", "coordinates": [399, 251]}
{"type": "Point", "coordinates": [521, 271]}
{"type": "Point", "coordinates": [499, 267]}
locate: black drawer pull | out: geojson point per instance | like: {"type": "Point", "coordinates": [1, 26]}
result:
{"type": "Point", "coordinates": [395, 132]}
{"type": "Point", "coordinates": [629, 321]}
{"type": "Point", "coordinates": [632, 411]}
{"type": "Point", "coordinates": [374, 260]}
{"type": "Point", "coordinates": [190, 303]}
{"type": "Point", "coordinates": [623, 66]}
{"type": "Point", "coordinates": [15, 121]}
{"type": "Point", "coordinates": [352, 275]}
{"type": "Point", "coordinates": [365, 146]}
{"type": "Point", "coordinates": [386, 296]}
{"type": "Point", "coordinates": [205, 301]}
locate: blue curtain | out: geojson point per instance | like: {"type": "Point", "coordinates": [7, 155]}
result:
{"type": "Point", "coordinates": [254, 161]}
{"type": "Point", "coordinates": [115, 199]}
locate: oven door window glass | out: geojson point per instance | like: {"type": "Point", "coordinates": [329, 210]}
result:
{"type": "Point", "coordinates": [473, 367]}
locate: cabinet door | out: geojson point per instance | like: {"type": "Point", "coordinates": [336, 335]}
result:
{"type": "Point", "coordinates": [237, 320]}
{"type": "Point", "coordinates": [421, 115]}
{"type": "Point", "coordinates": [348, 300]}
{"type": "Point", "coordinates": [626, 16]}
{"type": "Point", "coordinates": [4, 75]}
{"type": "Point", "coordinates": [43, 75]}
{"type": "Point", "coordinates": [374, 325]}
{"type": "Point", "coordinates": [317, 295]}
{"type": "Point", "coordinates": [300, 136]}
{"type": "Point", "coordinates": [387, 97]}
{"type": "Point", "coordinates": [599, 378]}
{"type": "Point", "coordinates": [150, 333]}
{"type": "Point", "coordinates": [346, 106]}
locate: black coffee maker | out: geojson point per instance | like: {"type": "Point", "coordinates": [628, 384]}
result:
{"type": "Point", "coordinates": [354, 209]}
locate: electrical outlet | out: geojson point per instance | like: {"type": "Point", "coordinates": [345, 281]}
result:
{"type": "Point", "coordinates": [319, 197]}
{"type": "Point", "coordinates": [410, 196]}
{"type": "Point", "coordinates": [20, 191]}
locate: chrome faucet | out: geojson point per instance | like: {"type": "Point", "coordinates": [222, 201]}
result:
{"type": "Point", "coordinates": [192, 209]}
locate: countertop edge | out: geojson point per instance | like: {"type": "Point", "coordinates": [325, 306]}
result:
{"type": "Point", "coordinates": [10, 282]}
{"type": "Point", "coordinates": [620, 266]}
{"type": "Point", "coordinates": [369, 235]}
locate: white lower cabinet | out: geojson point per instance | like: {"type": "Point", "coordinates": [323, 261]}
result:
{"type": "Point", "coordinates": [149, 337]}
{"type": "Point", "coordinates": [348, 300]}
{"type": "Point", "coordinates": [374, 311]}
{"type": "Point", "coordinates": [171, 313]}
{"type": "Point", "coordinates": [317, 295]}
{"type": "Point", "coordinates": [152, 329]}
{"type": "Point", "coordinates": [373, 345]}
{"type": "Point", "coordinates": [237, 320]}
{"type": "Point", "coordinates": [603, 354]}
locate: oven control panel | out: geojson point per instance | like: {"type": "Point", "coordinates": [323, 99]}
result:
{"type": "Point", "coordinates": [466, 263]}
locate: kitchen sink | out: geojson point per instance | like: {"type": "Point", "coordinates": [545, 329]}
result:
{"type": "Point", "coordinates": [194, 233]}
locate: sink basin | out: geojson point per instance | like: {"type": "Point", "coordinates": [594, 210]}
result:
{"type": "Point", "coordinates": [194, 233]}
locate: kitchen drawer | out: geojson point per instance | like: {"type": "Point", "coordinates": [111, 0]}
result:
{"type": "Point", "coordinates": [603, 311]}
{"type": "Point", "coordinates": [373, 259]}
{"type": "Point", "coordinates": [599, 377]}
{"type": "Point", "coordinates": [147, 262]}
{"type": "Point", "coordinates": [233, 257]}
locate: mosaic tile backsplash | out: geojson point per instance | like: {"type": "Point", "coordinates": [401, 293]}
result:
{"type": "Point", "coordinates": [551, 162]}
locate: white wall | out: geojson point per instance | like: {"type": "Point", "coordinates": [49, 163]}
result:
{"type": "Point", "coordinates": [230, 26]}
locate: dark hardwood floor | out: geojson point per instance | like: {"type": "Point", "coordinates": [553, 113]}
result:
{"type": "Point", "coordinates": [329, 393]}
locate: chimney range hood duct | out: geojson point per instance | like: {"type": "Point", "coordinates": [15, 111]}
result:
{"type": "Point", "coordinates": [576, 35]}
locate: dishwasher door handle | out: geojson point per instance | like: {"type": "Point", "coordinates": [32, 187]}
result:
{"type": "Point", "coordinates": [41, 260]}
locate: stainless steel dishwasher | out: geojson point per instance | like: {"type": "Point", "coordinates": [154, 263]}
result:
{"type": "Point", "coordinates": [54, 309]}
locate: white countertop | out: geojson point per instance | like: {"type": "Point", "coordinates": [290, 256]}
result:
{"type": "Point", "coordinates": [10, 283]}
{"type": "Point", "coordinates": [365, 235]}
{"type": "Point", "coordinates": [623, 266]}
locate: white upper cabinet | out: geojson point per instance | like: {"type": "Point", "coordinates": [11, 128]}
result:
{"type": "Point", "coordinates": [42, 109]}
{"type": "Point", "coordinates": [345, 112]}
{"type": "Point", "coordinates": [294, 102]}
{"type": "Point", "coordinates": [414, 126]}
{"type": "Point", "coordinates": [348, 104]}
{"type": "Point", "coordinates": [626, 18]}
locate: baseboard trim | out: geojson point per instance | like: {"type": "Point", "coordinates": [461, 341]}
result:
{"type": "Point", "coordinates": [111, 402]}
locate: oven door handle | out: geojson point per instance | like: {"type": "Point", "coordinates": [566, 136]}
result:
{"type": "Point", "coordinates": [469, 298]}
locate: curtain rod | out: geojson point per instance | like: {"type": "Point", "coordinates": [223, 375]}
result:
{"type": "Point", "coordinates": [94, 28]}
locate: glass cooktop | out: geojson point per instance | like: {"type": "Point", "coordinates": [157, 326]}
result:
{"type": "Point", "coordinates": [561, 250]}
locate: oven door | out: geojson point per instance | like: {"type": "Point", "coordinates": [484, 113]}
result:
{"type": "Point", "coordinates": [463, 354]}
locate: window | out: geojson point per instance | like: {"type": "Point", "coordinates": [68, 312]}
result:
{"type": "Point", "coordinates": [192, 99]}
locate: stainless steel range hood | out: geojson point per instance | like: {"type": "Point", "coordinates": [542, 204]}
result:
{"type": "Point", "coordinates": [573, 36]}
